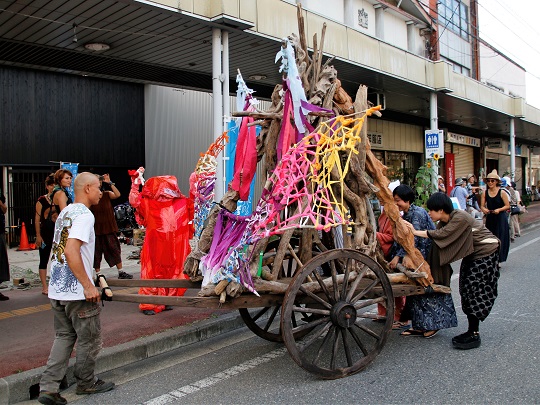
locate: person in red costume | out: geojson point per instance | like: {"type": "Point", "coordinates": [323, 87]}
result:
{"type": "Point", "coordinates": [165, 213]}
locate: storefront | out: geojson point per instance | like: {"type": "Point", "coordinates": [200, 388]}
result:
{"type": "Point", "coordinates": [498, 157]}
{"type": "Point", "coordinates": [464, 151]}
{"type": "Point", "coordinates": [399, 146]}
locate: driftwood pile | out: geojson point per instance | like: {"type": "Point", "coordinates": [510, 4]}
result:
{"type": "Point", "coordinates": [367, 176]}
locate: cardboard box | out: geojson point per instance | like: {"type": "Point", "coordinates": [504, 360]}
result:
{"type": "Point", "coordinates": [138, 236]}
{"type": "Point", "coordinates": [18, 281]}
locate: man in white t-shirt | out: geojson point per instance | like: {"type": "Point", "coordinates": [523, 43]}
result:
{"type": "Point", "coordinates": [74, 298]}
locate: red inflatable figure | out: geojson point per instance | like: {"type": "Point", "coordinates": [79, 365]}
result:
{"type": "Point", "coordinates": [166, 214]}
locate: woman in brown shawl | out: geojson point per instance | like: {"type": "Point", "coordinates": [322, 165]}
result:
{"type": "Point", "coordinates": [460, 236]}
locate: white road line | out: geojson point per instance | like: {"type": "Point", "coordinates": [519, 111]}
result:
{"type": "Point", "coordinates": [524, 245]}
{"type": "Point", "coordinates": [513, 250]}
{"type": "Point", "coordinates": [216, 378]}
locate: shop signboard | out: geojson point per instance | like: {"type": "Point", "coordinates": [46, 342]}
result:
{"type": "Point", "coordinates": [450, 171]}
{"type": "Point", "coordinates": [375, 139]}
{"type": "Point", "coordinates": [493, 143]}
{"type": "Point", "coordinates": [462, 139]}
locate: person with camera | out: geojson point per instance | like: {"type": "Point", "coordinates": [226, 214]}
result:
{"type": "Point", "coordinates": [44, 231]}
{"type": "Point", "coordinates": [472, 198]}
{"type": "Point", "coordinates": [107, 243]}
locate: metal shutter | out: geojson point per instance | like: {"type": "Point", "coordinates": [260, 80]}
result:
{"type": "Point", "coordinates": [464, 159]}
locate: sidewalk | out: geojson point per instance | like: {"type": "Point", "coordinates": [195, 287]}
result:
{"type": "Point", "coordinates": [128, 336]}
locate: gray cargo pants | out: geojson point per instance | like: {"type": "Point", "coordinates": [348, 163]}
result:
{"type": "Point", "coordinates": [74, 321]}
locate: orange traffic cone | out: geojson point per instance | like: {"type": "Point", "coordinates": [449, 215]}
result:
{"type": "Point", "coordinates": [24, 245]}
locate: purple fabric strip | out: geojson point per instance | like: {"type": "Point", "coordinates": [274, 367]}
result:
{"type": "Point", "coordinates": [286, 111]}
{"type": "Point", "coordinates": [313, 107]}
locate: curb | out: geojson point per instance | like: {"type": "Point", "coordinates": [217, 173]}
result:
{"type": "Point", "coordinates": [17, 387]}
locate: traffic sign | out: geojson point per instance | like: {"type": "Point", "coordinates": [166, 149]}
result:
{"type": "Point", "coordinates": [434, 142]}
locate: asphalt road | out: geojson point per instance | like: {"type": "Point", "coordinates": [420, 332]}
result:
{"type": "Point", "coordinates": [241, 368]}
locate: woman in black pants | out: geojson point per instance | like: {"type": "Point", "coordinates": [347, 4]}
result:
{"type": "Point", "coordinates": [460, 236]}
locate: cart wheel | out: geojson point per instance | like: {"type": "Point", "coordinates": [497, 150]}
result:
{"type": "Point", "coordinates": [259, 320]}
{"type": "Point", "coordinates": [343, 333]}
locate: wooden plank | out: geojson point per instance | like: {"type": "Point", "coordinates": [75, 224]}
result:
{"type": "Point", "coordinates": [165, 283]}
{"type": "Point", "coordinates": [247, 301]}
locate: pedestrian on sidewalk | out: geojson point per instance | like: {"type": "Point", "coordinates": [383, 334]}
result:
{"type": "Point", "coordinates": [460, 236]}
{"type": "Point", "coordinates": [440, 184]}
{"type": "Point", "coordinates": [107, 243]}
{"type": "Point", "coordinates": [4, 263]}
{"type": "Point", "coordinates": [74, 297]}
{"type": "Point", "coordinates": [62, 180]}
{"type": "Point", "coordinates": [44, 231]}
{"type": "Point", "coordinates": [515, 210]}
{"type": "Point", "coordinates": [472, 197]}
{"type": "Point", "coordinates": [494, 205]}
{"type": "Point", "coordinates": [460, 192]}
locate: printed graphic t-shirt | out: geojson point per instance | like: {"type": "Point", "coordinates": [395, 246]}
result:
{"type": "Point", "coordinates": [74, 222]}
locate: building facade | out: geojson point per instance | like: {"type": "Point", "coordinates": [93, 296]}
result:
{"type": "Point", "coordinates": [116, 85]}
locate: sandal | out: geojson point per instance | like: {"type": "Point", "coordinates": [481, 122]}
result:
{"type": "Point", "coordinates": [412, 332]}
{"type": "Point", "coordinates": [400, 325]}
{"type": "Point", "coordinates": [428, 334]}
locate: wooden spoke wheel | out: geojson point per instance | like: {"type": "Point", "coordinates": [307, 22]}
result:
{"type": "Point", "coordinates": [260, 320]}
{"type": "Point", "coordinates": [344, 333]}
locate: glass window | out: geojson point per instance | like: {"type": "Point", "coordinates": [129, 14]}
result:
{"type": "Point", "coordinates": [463, 10]}
{"type": "Point", "coordinates": [455, 16]}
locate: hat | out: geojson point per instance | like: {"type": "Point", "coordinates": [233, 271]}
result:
{"type": "Point", "coordinates": [459, 181]}
{"type": "Point", "coordinates": [393, 185]}
{"type": "Point", "coordinates": [469, 176]}
{"type": "Point", "coordinates": [504, 183]}
{"type": "Point", "coordinates": [493, 175]}
{"type": "Point", "coordinates": [440, 177]}
{"type": "Point", "coordinates": [507, 180]}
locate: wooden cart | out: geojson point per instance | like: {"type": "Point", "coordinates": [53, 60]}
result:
{"type": "Point", "coordinates": [327, 312]}
{"type": "Point", "coordinates": [326, 301]}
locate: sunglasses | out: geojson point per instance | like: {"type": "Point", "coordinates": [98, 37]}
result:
{"type": "Point", "coordinates": [491, 180]}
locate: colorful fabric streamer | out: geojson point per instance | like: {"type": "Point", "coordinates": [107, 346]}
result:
{"type": "Point", "coordinates": [302, 180]}
{"type": "Point", "coordinates": [203, 181]}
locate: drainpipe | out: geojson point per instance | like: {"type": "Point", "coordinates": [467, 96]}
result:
{"type": "Point", "coordinates": [379, 21]}
{"type": "Point", "coordinates": [433, 118]}
{"type": "Point", "coordinates": [512, 149]}
{"type": "Point", "coordinates": [349, 17]}
{"type": "Point", "coordinates": [529, 170]}
{"type": "Point", "coordinates": [217, 96]}
{"type": "Point", "coordinates": [434, 126]}
{"type": "Point", "coordinates": [4, 192]}
{"type": "Point", "coordinates": [226, 100]}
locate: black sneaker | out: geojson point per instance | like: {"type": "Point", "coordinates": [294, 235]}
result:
{"type": "Point", "coordinates": [124, 275]}
{"type": "Point", "coordinates": [461, 338]}
{"type": "Point", "coordinates": [96, 388]}
{"type": "Point", "coordinates": [51, 398]}
{"type": "Point", "coordinates": [467, 341]}
{"type": "Point", "coordinates": [3, 297]}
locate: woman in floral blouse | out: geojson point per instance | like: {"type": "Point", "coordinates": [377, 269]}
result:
{"type": "Point", "coordinates": [429, 312]}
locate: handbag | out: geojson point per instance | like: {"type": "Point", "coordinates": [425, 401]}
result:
{"type": "Point", "coordinates": [515, 210]}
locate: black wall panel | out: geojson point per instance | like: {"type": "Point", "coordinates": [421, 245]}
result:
{"type": "Point", "coordinates": [48, 116]}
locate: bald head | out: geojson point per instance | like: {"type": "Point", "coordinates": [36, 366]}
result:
{"type": "Point", "coordinates": [87, 189]}
{"type": "Point", "coordinates": [83, 179]}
